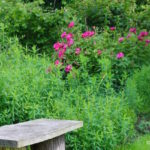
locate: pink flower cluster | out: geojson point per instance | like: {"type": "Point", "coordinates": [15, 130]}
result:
{"type": "Point", "coordinates": [88, 34]}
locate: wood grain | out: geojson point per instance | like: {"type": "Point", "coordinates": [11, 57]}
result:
{"type": "Point", "coordinates": [36, 131]}
{"type": "Point", "coordinates": [53, 144]}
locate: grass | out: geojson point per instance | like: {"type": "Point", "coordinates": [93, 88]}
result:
{"type": "Point", "coordinates": [141, 143]}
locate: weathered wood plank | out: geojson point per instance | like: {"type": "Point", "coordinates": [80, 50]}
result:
{"type": "Point", "coordinates": [36, 131]}
{"type": "Point", "coordinates": [13, 148]}
{"type": "Point", "coordinates": [53, 144]}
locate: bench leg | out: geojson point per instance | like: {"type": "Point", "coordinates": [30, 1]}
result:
{"type": "Point", "coordinates": [57, 143]}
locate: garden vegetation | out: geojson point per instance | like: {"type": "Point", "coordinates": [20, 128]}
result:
{"type": "Point", "coordinates": [78, 60]}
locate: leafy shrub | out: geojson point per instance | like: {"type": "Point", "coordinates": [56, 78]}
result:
{"type": "Point", "coordinates": [143, 19]}
{"type": "Point", "coordinates": [138, 91]}
{"type": "Point", "coordinates": [102, 13]}
{"type": "Point", "coordinates": [31, 23]}
{"type": "Point", "coordinates": [107, 121]}
{"type": "Point", "coordinates": [144, 127]}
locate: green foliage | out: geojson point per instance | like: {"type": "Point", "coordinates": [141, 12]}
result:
{"type": "Point", "coordinates": [143, 19]}
{"type": "Point", "coordinates": [144, 127]}
{"type": "Point", "coordinates": [28, 92]}
{"type": "Point", "coordinates": [140, 143]}
{"type": "Point", "coordinates": [107, 121]}
{"type": "Point", "coordinates": [31, 23]}
{"type": "Point", "coordinates": [103, 13]}
{"type": "Point", "coordinates": [138, 91]}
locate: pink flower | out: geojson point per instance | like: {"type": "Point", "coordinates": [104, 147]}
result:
{"type": "Point", "coordinates": [121, 39]}
{"type": "Point", "coordinates": [77, 52]}
{"type": "Point", "coordinates": [133, 30]}
{"type": "Point", "coordinates": [112, 28]}
{"type": "Point", "coordinates": [61, 54]}
{"type": "Point", "coordinates": [57, 46]}
{"type": "Point", "coordinates": [70, 42]}
{"type": "Point", "coordinates": [143, 34]}
{"type": "Point", "coordinates": [63, 35]}
{"type": "Point", "coordinates": [129, 35]}
{"type": "Point", "coordinates": [68, 68]}
{"type": "Point", "coordinates": [65, 47]}
{"type": "Point", "coordinates": [88, 34]}
{"type": "Point", "coordinates": [99, 52]}
{"type": "Point", "coordinates": [140, 38]}
{"type": "Point", "coordinates": [69, 36]}
{"type": "Point", "coordinates": [120, 55]}
{"type": "Point", "coordinates": [91, 33]}
{"type": "Point", "coordinates": [71, 24]}
{"type": "Point", "coordinates": [147, 42]}
{"type": "Point", "coordinates": [57, 62]}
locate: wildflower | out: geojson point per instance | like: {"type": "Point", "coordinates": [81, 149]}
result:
{"type": "Point", "coordinates": [65, 46]}
{"type": "Point", "coordinates": [143, 34]}
{"type": "Point", "coordinates": [70, 42]}
{"type": "Point", "coordinates": [120, 55]}
{"type": "Point", "coordinates": [133, 30]}
{"type": "Point", "coordinates": [69, 36]}
{"type": "Point", "coordinates": [128, 36]}
{"type": "Point", "coordinates": [147, 42]}
{"type": "Point", "coordinates": [112, 28]}
{"type": "Point", "coordinates": [68, 68]}
{"type": "Point", "coordinates": [61, 54]}
{"type": "Point", "coordinates": [71, 25]}
{"type": "Point", "coordinates": [77, 52]}
{"type": "Point", "coordinates": [99, 52]}
{"type": "Point", "coordinates": [57, 46]}
{"type": "Point", "coordinates": [57, 62]}
{"type": "Point", "coordinates": [63, 35]}
{"type": "Point", "coordinates": [140, 38]}
{"type": "Point", "coordinates": [88, 34]}
{"type": "Point", "coordinates": [121, 39]}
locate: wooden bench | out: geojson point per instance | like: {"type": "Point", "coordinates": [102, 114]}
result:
{"type": "Point", "coordinates": [41, 134]}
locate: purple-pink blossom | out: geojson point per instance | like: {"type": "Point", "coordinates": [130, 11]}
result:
{"type": "Point", "coordinates": [63, 35]}
{"type": "Point", "coordinates": [133, 30]}
{"type": "Point", "coordinates": [61, 54]}
{"type": "Point", "coordinates": [71, 25]}
{"type": "Point", "coordinates": [88, 34]}
{"type": "Point", "coordinates": [147, 42]}
{"type": "Point", "coordinates": [120, 55]}
{"type": "Point", "coordinates": [57, 62]}
{"type": "Point", "coordinates": [112, 28]}
{"type": "Point", "coordinates": [69, 36]}
{"type": "Point", "coordinates": [68, 68]}
{"type": "Point", "coordinates": [78, 50]}
{"type": "Point", "coordinates": [129, 35]}
{"type": "Point", "coordinates": [140, 38]}
{"type": "Point", "coordinates": [99, 52]}
{"type": "Point", "coordinates": [143, 33]}
{"type": "Point", "coordinates": [70, 42]}
{"type": "Point", "coordinates": [57, 46]}
{"type": "Point", "coordinates": [121, 39]}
